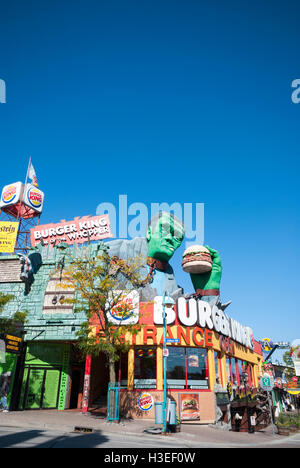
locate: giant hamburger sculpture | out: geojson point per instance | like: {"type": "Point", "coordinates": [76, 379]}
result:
{"type": "Point", "coordinates": [197, 259]}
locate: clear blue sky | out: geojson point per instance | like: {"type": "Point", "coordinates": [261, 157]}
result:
{"type": "Point", "coordinates": [169, 100]}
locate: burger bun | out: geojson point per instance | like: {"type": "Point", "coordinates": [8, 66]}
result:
{"type": "Point", "coordinates": [197, 259]}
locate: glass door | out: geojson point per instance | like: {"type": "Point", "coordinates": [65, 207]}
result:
{"type": "Point", "coordinates": [42, 388]}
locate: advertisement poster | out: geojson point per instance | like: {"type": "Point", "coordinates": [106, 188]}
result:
{"type": "Point", "coordinates": [8, 236]}
{"type": "Point", "coordinates": [189, 406]}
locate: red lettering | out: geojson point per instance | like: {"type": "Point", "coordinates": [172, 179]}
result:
{"type": "Point", "coordinates": [150, 334]}
{"type": "Point", "coordinates": [199, 331]}
{"type": "Point", "coordinates": [208, 338]}
{"type": "Point", "coordinates": [184, 334]}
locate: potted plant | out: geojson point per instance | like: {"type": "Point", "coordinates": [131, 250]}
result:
{"type": "Point", "coordinates": [282, 424]}
{"type": "Point", "coordinates": [293, 424]}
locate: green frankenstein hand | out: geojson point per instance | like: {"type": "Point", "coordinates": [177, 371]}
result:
{"type": "Point", "coordinates": [210, 281]}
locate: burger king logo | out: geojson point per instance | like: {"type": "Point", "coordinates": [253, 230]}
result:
{"type": "Point", "coordinates": [145, 402]}
{"type": "Point", "coordinates": [34, 197]}
{"type": "Point", "coordinates": [9, 194]}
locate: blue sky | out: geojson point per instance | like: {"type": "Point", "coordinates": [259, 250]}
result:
{"type": "Point", "coordinates": [174, 101]}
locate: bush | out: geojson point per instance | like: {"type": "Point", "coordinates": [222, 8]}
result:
{"type": "Point", "coordinates": [283, 420]}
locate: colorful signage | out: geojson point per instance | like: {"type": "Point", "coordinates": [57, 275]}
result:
{"type": "Point", "coordinates": [145, 402]}
{"type": "Point", "coordinates": [11, 194]}
{"type": "Point", "coordinates": [33, 198]}
{"type": "Point", "coordinates": [189, 406]}
{"type": "Point", "coordinates": [295, 355]}
{"type": "Point", "coordinates": [78, 231]}
{"type": "Point", "coordinates": [13, 344]}
{"type": "Point", "coordinates": [226, 345]}
{"type": "Point", "coordinates": [8, 236]}
{"type": "Point", "coordinates": [199, 313]}
{"type": "Point", "coordinates": [126, 312]}
{"type": "Point", "coordinates": [266, 383]}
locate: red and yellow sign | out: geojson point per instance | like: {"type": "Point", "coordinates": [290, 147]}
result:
{"type": "Point", "coordinates": [8, 236]}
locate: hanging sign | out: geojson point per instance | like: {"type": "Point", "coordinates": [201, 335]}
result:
{"type": "Point", "coordinates": [13, 344]}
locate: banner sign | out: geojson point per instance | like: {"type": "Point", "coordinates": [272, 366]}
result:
{"type": "Point", "coordinates": [8, 236]}
{"type": "Point", "coordinates": [78, 231]}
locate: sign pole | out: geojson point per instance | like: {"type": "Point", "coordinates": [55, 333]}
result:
{"type": "Point", "coordinates": [271, 412]}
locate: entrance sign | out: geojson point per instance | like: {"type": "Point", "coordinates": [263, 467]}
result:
{"type": "Point", "coordinates": [78, 231]}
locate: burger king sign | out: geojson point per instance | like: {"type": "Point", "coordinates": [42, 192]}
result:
{"type": "Point", "coordinates": [145, 402]}
{"type": "Point", "coordinates": [11, 194]}
{"type": "Point", "coordinates": [33, 198]}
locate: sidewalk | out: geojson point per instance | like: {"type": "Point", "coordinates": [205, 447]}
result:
{"type": "Point", "coordinates": [190, 435]}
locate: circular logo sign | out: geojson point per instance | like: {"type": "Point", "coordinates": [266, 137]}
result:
{"type": "Point", "coordinates": [123, 310]}
{"type": "Point", "coordinates": [145, 402]}
{"type": "Point", "coordinates": [34, 198]}
{"type": "Point", "coordinates": [9, 194]}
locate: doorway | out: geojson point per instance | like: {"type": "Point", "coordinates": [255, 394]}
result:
{"type": "Point", "coordinates": [76, 387]}
{"type": "Point", "coordinates": [42, 388]}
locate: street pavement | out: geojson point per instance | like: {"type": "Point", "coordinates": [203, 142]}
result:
{"type": "Point", "coordinates": [57, 429]}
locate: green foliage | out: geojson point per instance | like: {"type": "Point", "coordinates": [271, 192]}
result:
{"type": "Point", "coordinates": [101, 286]}
{"type": "Point", "coordinates": [288, 420]}
{"type": "Point", "coordinates": [14, 323]}
{"type": "Point", "coordinates": [290, 370]}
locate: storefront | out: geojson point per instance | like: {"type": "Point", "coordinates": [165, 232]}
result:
{"type": "Point", "coordinates": [197, 356]}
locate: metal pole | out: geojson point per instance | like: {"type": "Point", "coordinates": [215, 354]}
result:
{"type": "Point", "coordinates": [271, 412]}
{"type": "Point", "coordinates": [164, 367]}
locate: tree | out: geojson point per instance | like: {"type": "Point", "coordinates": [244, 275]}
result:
{"type": "Point", "coordinates": [104, 289]}
{"type": "Point", "coordinates": [290, 370]}
{"type": "Point", "coordinates": [14, 323]}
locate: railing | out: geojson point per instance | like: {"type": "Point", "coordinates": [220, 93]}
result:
{"type": "Point", "coordinates": [113, 402]}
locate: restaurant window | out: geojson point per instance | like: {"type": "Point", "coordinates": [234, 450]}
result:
{"type": "Point", "coordinates": [217, 366]}
{"type": "Point", "coordinates": [176, 368]}
{"type": "Point", "coordinates": [197, 368]}
{"type": "Point", "coordinates": [233, 371]}
{"type": "Point", "coordinates": [187, 368]}
{"type": "Point", "coordinates": [145, 367]}
{"type": "Point", "coordinates": [240, 370]}
{"type": "Point", "coordinates": [228, 370]}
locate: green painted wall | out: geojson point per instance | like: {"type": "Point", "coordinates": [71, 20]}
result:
{"type": "Point", "coordinates": [49, 362]}
{"type": "Point", "coordinates": [9, 365]}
